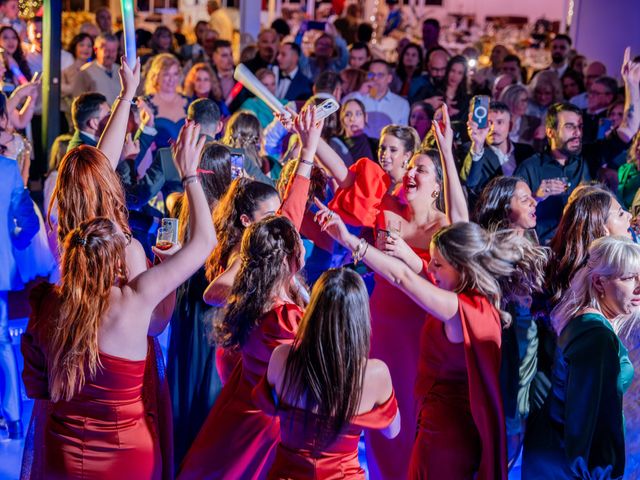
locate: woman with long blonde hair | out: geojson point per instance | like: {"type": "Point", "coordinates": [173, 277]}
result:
{"type": "Point", "coordinates": [580, 431]}
{"type": "Point", "coordinates": [87, 346]}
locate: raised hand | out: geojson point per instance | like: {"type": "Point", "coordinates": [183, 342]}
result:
{"type": "Point", "coordinates": [477, 135]}
{"type": "Point", "coordinates": [308, 128]}
{"type": "Point", "coordinates": [129, 79]}
{"type": "Point", "coordinates": [444, 137]}
{"type": "Point", "coordinates": [147, 118]}
{"type": "Point", "coordinates": [187, 149]}
{"type": "Point", "coordinates": [630, 70]}
{"type": "Point", "coordinates": [331, 222]}
{"type": "Point", "coordinates": [131, 148]}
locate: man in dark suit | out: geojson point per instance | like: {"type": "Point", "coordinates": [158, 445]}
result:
{"type": "Point", "coordinates": [492, 153]}
{"type": "Point", "coordinates": [291, 84]}
{"type": "Point", "coordinates": [89, 112]}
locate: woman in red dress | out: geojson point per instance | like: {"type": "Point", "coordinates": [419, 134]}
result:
{"type": "Point", "coordinates": [263, 311]}
{"type": "Point", "coordinates": [324, 389]}
{"type": "Point", "coordinates": [244, 203]}
{"type": "Point", "coordinates": [461, 432]}
{"type": "Point", "coordinates": [87, 187]}
{"type": "Point", "coordinates": [86, 344]}
{"type": "Point", "coordinates": [404, 220]}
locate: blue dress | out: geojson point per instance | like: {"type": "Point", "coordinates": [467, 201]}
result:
{"type": "Point", "coordinates": [168, 130]}
{"type": "Point", "coordinates": [579, 433]}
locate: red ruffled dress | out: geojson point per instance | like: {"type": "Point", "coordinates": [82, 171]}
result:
{"type": "Point", "coordinates": [105, 431]}
{"type": "Point", "coordinates": [299, 455]}
{"type": "Point", "coordinates": [396, 321]}
{"type": "Point", "coordinates": [294, 205]}
{"type": "Point", "coordinates": [461, 426]}
{"type": "Point", "coordinates": [238, 439]}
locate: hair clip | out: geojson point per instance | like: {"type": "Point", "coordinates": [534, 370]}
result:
{"type": "Point", "coordinates": [78, 240]}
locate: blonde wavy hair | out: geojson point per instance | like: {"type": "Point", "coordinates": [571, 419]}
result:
{"type": "Point", "coordinates": [159, 64]}
{"type": "Point", "coordinates": [497, 264]}
{"type": "Point", "coordinates": [610, 257]}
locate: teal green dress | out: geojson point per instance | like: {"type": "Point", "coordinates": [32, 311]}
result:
{"type": "Point", "coordinates": [579, 433]}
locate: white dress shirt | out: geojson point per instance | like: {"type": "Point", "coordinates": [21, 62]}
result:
{"type": "Point", "coordinates": [391, 109]}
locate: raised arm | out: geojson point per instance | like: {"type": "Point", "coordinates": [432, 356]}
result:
{"type": "Point", "coordinates": [26, 95]}
{"type": "Point", "coordinates": [112, 138]}
{"type": "Point", "coordinates": [159, 281]}
{"type": "Point", "coordinates": [442, 304]}
{"type": "Point", "coordinates": [295, 198]}
{"type": "Point", "coordinates": [456, 207]}
{"type": "Point", "coordinates": [631, 118]}
{"type": "Point", "coordinates": [335, 165]}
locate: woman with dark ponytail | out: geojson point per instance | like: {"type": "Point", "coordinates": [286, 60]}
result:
{"type": "Point", "coordinates": [460, 430]}
{"type": "Point", "coordinates": [246, 202]}
{"type": "Point", "coordinates": [194, 383]}
{"type": "Point", "coordinates": [324, 388]}
{"type": "Point", "coordinates": [507, 203]}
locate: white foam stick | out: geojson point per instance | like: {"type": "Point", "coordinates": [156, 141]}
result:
{"type": "Point", "coordinates": [255, 86]}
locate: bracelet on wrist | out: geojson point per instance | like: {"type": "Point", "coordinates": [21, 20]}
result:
{"type": "Point", "coordinates": [122, 99]}
{"type": "Point", "coordinates": [360, 251]}
{"type": "Point", "coordinates": [188, 179]}
{"type": "Point", "coordinates": [306, 162]}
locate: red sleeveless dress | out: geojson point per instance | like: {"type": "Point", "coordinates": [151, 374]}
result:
{"type": "Point", "coordinates": [396, 321]}
{"type": "Point", "coordinates": [294, 206]}
{"type": "Point", "coordinates": [298, 454]}
{"type": "Point", "coordinates": [461, 426]}
{"type": "Point", "coordinates": [238, 440]}
{"type": "Point", "coordinates": [105, 431]}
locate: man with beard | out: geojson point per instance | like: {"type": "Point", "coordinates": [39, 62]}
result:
{"type": "Point", "coordinates": [267, 51]}
{"type": "Point", "coordinates": [429, 86]}
{"type": "Point", "coordinates": [492, 153]}
{"type": "Point", "coordinates": [560, 47]}
{"type": "Point", "coordinates": [555, 173]}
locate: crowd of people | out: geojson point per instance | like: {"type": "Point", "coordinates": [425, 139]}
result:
{"type": "Point", "coordinates": [448, 283]}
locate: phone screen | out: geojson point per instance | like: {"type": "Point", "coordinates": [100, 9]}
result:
{"type": "Point", "coordinates": [481, 111]}
{"type": "Point", "coordinates": [237, 164]}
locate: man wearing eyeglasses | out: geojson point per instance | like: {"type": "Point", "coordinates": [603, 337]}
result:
{"type": "Point", "coordinates": [600, 96]}
{"type": "Point", "coordinates": [382, 106]}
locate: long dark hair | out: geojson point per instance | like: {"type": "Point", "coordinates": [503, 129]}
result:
{"type": "Point", "coordinates": [400, 70]}
{"type": "Point", "coordinates": [215, 176]}
{"type": "Point", "coordinates": [270, 253]}
{"type": "Point", "coordinates": [462, 87]}
{"type": "Point", "coordinates": [582, 222]}
{"type": "Point", "coordinates": [494, 204]}
{"type": "Point", "coordinates": [19, 55]}
{"type": "Point", "coordinates": [434, 156]}
{"type": "Point", "coordinates": [329, 356]}
{"type": "Point", "coordinates": [242, 198]}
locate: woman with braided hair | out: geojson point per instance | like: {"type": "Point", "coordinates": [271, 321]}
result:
{"type": "Point", "coordinates": [264, 307]}
{"type": "Point", "coordinates": [263, 311]}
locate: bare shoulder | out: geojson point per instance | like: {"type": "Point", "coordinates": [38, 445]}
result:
{"type": "Point", "coordinates": [276, 364]}
{"type": "Point", "coordinates": [136, 259]}
{"type": "Point", "coordinates": [378, 377]}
